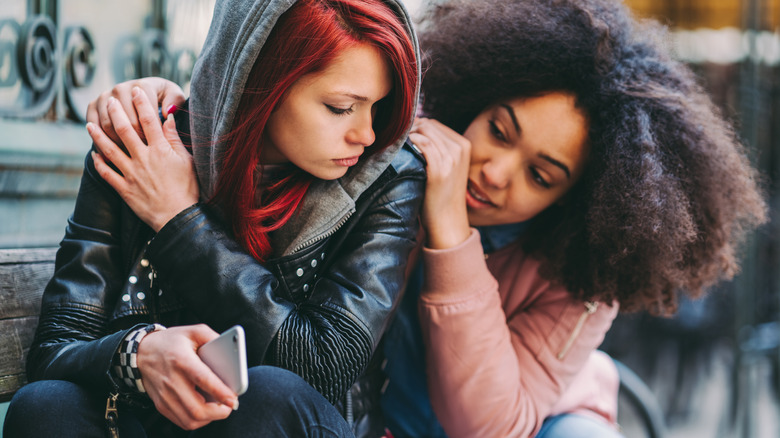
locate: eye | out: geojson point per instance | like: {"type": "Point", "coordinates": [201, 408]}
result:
{"type": "Point", "coordinates": [496, 132]}
{"type": "Point", "coordinates": [339, 111]}
{"type": "Point", "coordinates": [539, 178]}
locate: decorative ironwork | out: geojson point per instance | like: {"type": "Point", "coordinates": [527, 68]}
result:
{"type": "Point", "coordinates": [8, 69]}
{"type": "Point", "coordinates": [79, 54]}
{"type": "Point", "coordinates": [37, 53]}
{"type": "Point", "coordinates": [34, 67]}
{"type": "Point", "coordinates": [37, 64]}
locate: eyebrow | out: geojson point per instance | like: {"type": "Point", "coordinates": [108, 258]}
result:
{"type": "Point", "coordinates": [351, 95]}
{"type": "Point", "coordinates": [556, 163]}
{"type": "Point", "coordinates": [511, 112]}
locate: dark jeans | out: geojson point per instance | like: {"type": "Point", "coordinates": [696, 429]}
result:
{"type": "Point", "coordinates": [278, 404]}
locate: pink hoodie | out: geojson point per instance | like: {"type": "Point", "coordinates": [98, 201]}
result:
{"type": "Point", "coordinates": [506, 348]}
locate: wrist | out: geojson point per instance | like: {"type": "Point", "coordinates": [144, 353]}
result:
{"type": "Point", "coordinates": [126, 358]}
{"type": "Point", "coordinates": [444, 236]}
{"type": "Point", "coordinates": [163, 219]}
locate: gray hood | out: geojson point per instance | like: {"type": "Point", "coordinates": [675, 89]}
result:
{"type": "Point", "coordinates": [238, 31]}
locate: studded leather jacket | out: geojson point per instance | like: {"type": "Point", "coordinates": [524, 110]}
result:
{"type": "Point", "coordinates": [320, 309]}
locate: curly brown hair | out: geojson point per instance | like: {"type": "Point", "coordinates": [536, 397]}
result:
{"type": "Point", "coordinates": [669, 193]}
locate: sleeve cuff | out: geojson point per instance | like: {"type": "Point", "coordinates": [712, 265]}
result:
{"type": "Point", "coordinates": [125, 368]}
{"type": "Point", "coordinates": [455, 273]}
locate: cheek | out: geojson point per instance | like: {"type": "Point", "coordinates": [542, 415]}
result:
{"type": "Point", "coordinates": [526, 204]}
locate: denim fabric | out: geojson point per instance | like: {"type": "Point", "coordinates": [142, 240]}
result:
{"type": "Point", "coordinates": [278, 404]}
{"type": "Point", "coordinates": [576, 426]}
{"type": "Point", "coordinates": [405, 402]}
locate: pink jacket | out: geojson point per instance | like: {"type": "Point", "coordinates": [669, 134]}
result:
{"type": "Point", "coordinates": [505, 348]}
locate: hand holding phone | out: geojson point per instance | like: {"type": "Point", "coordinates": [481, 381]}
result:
{"type": "Point", "coordinates": [226, 356]}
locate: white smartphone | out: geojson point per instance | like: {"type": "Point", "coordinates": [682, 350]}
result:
{"type": "Point", "coordinates": [226, 356]}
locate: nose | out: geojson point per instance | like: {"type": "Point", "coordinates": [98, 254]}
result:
{"type": "Point", "coordinates": [362, 130]}
{"type": "Point", "coordinates": [497, 172]}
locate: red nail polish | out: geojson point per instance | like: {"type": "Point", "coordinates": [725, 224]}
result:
{"type": "Point", "coordinates": [171, 109]}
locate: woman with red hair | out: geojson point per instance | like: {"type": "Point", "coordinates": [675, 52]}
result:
{"type": "Point", "coordinates": [287, 203]}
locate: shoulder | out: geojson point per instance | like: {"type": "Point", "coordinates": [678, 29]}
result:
{"type": "Point", "coordinates": [409, 161]}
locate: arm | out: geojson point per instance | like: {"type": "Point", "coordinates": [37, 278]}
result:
{"type": "Point", "coordinates": [71, 340]}
{"type": "Point", "coordinates": [74, 340]}
{"type": "Point", "coordinates": [327, 338]}
{"type": "Point", "coordinates": [505, 353]}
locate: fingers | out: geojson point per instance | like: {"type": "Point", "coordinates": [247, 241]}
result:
{"type": "Point", "coordinates": [97, 113]}
{"type": "Point", "coordinates": [172, 135]}
{"type": "Point", "coordinates": [444, 149]}
{"type": "Point", "coordinates": [171, 372]}
{"type": "Point", "coordinates": [148, 119]}
{"type": "Point", "coordinates": [160, 90]}
{"type": "Point", "coordinates": [123, 126]}
{"type": "Point", "coordinates": [107, 173]}
{"type": "Point", "coordinates": [181, 403]}
{"type": "Point", "coordinates": [108, 151]}
{"type": "Point", "coordinates": [172, 96]}
{"type": "Point", "coordinates": [204, 378]}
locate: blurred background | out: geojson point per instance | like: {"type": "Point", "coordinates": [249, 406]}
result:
{"type": "Point", "coordinates": [714, 369]}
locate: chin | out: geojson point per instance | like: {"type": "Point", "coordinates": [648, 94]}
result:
{"type": "Point", "coordinates": [329, 174]}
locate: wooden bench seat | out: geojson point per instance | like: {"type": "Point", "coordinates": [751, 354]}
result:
{"type": "Point", "coordinates": [23, 276]}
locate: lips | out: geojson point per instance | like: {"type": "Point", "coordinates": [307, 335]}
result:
{"type": "Point", "coordinates": [478, 195]}
{"type": "Point", "coordinates": [348, 162]}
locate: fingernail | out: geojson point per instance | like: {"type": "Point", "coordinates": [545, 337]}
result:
{"type": "Point", "coordinates": [171, 109]}
{"type": "Point", "coordinates": [235, 405]}
{"type": "Point", "coordinates": [90, 127]}
{"type": "Point", "coordinates": [136, 91]}
{"type": "Point", "coordinates": [111, 100]}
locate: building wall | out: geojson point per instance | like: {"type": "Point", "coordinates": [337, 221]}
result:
{"type": "Point", "coordinates": [56, 56]}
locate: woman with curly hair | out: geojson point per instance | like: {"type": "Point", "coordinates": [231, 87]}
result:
{"type": "Point", "coordinates": [574, 170]}
{"type": "Point", "coordinates": [571, 132]}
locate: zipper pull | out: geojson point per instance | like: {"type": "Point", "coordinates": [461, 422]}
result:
{"type": "Point", "coordinates": [112, 416]}
{"type": "Point", "coordinates": [590, 308]}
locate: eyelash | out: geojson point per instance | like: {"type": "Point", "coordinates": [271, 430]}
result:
{"type": "Point", "coordinates": [496, 132]}
{"type": "Point", "coordinates": [538, 178]}
{"type": "Point", "coordinates": [339, 111]}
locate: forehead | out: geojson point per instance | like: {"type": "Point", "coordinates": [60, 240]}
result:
{"type": "Point", "coordinates": [360, 69]}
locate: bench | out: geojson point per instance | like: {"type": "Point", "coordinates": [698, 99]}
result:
{"type": "Point", "coordinates": [23, 275]}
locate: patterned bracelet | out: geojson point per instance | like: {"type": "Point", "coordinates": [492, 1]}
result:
{"type": "Point", "coordinates": [126, 367]}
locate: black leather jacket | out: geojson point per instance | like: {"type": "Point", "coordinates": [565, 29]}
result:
{"type": "Point", "coordinates": [320, 311]}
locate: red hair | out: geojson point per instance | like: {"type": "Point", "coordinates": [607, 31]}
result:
{"type": "Point", "coordinates": [305, 40]}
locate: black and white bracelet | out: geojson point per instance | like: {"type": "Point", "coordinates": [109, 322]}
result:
{"type": "Point", "coordinates": [126, 364]}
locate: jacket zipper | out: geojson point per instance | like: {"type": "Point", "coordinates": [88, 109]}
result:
{"type": "Point", "coordinates": [112, 415]}
{"type": "Point", "coordinates": [590, 308]}
{"type": "Point", "coordinates": [325, 235]}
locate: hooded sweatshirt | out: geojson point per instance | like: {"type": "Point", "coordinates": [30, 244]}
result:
{"type": "Point", "coordinates": [238, 31]}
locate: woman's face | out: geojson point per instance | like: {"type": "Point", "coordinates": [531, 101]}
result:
{"type": "Point", "coordinates": [325, 121]}
{"type": "Point", "coordinates": [526, 153]}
